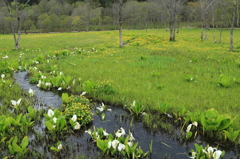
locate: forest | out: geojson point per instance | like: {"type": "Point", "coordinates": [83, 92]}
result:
{"type": "Point", "coordinates": [95, 15]}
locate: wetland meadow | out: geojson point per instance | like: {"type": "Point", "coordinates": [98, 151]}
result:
{"type": "Point", "coordinates": [79, 95]}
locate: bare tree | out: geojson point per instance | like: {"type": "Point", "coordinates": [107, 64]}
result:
{"type": "Point", "coordinates": [16, 7]}
{"type": "Point", "coordinates": [213, 7]}
{"type": "Point", "coordinates": [205, 12]}
{"type": "Point", "coordinates": [173, 9]}
{"type": "Point", "coordinates": [222, 8]}
{"type": "Point", "coordinates": [232, 24]}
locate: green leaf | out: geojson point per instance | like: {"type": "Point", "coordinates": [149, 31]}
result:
{"type": "Point", "coordinates": [231, 135]}
{"type": "Point", "coordinates": [61, 123]}
{"type": "Point", "coordinates": [189, 135]}
{"type": "Point", "coordinates": [32, 112]}
{"type": "Point", "coordinates": [18, 119]}
{"type": "Point", "coordinates": [67, 80]}
{"type": "Point", "coordinates": [49, 125]}
{"type": "Point", "coordinates": [102, 144]}
{"type": "Point", "coordinates": [16, 147]}
{"type": "Point", "coordinates": [225, 123]}
{"type": "Point", "coordinates": [24, 142]}
{"type": "Point", "coordinates": [56, 113]}
{"type": "Point", "coordinates": [8, 122]}
{"type": "Point", "coordinates": [65, 98]}
{"type": "Point", "coordinates": [211, 113]}
{"type": "Point", "coordinates": [11, 149]}
{"type": "Point", "coordinates": [3, 139]}
{"type": "Point", "coordinates": [225, 81]}
{"type": "Point", "coordinates": [54, 149]}
{"type": "Point", "coordinates": [89, 85]}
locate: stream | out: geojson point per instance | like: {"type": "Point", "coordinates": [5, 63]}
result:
{"type": "Point", "coordinates": [79, 143]}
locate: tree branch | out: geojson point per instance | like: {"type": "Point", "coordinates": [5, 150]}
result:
{"type": "Point", "coordinates": [25, 4]}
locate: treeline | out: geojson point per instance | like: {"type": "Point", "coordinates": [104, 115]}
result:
{"type": "Point", "coordinates": [87, 15]}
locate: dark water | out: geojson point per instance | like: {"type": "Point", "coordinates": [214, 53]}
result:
{"type": "Point", "coordinates": [79, 143]}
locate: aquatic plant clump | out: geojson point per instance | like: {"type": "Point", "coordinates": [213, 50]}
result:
{"type": "Point", "coordinates": [78, 99]}
{"type": "Point", "coordinates": [105, 87]}
{"type": "Point", "coordinates": [79, 106]}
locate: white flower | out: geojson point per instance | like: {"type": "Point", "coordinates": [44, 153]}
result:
{"type": "Point", "coordinates": [123, 131]}
{"type": "Point", "coordinates": [103, 116]}
{"type": "Point", "coordinates": [39, 83]}
{"type": "Point", "coordinates": [54, 126]}
{"type": "Point", "coordinates": [189, 127]}
{"type": "Point", "coordinates": [60, 146]}
{"type": "Point", "coordinates": [210, 149]}
{"type": "Point", "coordinates": [103, 104]}
{"type": "Point", "coordinates": [16, 103]}
{"type": "Point", "coordinates": [118, 134]}
{"type": "Point", "coordinates": [195, 123]}
{"type": "Point", "coordinates": [109, 110]}
{"type": "Point", "coordinates": [217, 154]}
{"type": "Point", "coordinates": [121, 147]}
{"type": "Point", "coordinates": [193, 155]}
{"type": "Point", "coordinates": [100, 108]}
{"type": "Point", "coordinates": [60, 88]}
{"type": "Point", "coordinates": [115, 143]}
{"type": "Point", "coordinates": [130, 144]}
{"type": "Point", "coordinates": [31, 92]}
{"type": "Point", "coordinates": [133, 104]}
{"type": "Point", "coordinates": [3, 75]}
{"type": "Point", "coordinates": [74, 118]}
{"type": "Point", "coordinates": [105, 133]}
{"type": "Point", "coordinates": [48, 84]}
{"type": "Point", "coordinates": [131, 138]}
{"type": "Point", "coordinates": [5, 57]}
{"type": "Point", "coordinates": [109, 144]}
{"type": "Point", "coordinates": [60, 73]}
{"type": "Point", "coordinates": [55, 120]}
{"type": "Point", "coordinates": [50, 112]}
{"type": "Point", "coordinates": [77, 126]}
{"type": "Point", "coordinates": [83, 93]}
{"type": "Point", "coordinates": [88, 131]}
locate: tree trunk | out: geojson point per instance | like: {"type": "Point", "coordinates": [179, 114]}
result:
{"type": "Point", "coordinates": [237, 16]}
{"type": "Point", "coordinates": [206, 30]}
{"type": "Point", "coordinates": [213, 23]}
{"type": "Point", "coordinates": [220, 39]}
{"type": "Point", "coordinates": [120, 23]}
{"type": "Point", "coordinates": [171, 31]}
{"type": "Point", "coordinates": [232, 25]}
{"type": "Point", "coordinates": [202, 32]}
{"type": "Point", "coordinates": [17, 43]}
{"type": "Point", "coordinates": [174, 31]}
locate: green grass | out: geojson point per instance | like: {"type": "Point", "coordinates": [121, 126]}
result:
{"type": "Point", "coordinates": [147, 61]}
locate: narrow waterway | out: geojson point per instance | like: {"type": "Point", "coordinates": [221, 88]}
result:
{"type": "Point", "coordinates": [79, 143]}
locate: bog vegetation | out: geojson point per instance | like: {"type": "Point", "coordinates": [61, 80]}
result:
{"type": "Point", "coordinates": [192, 82]}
